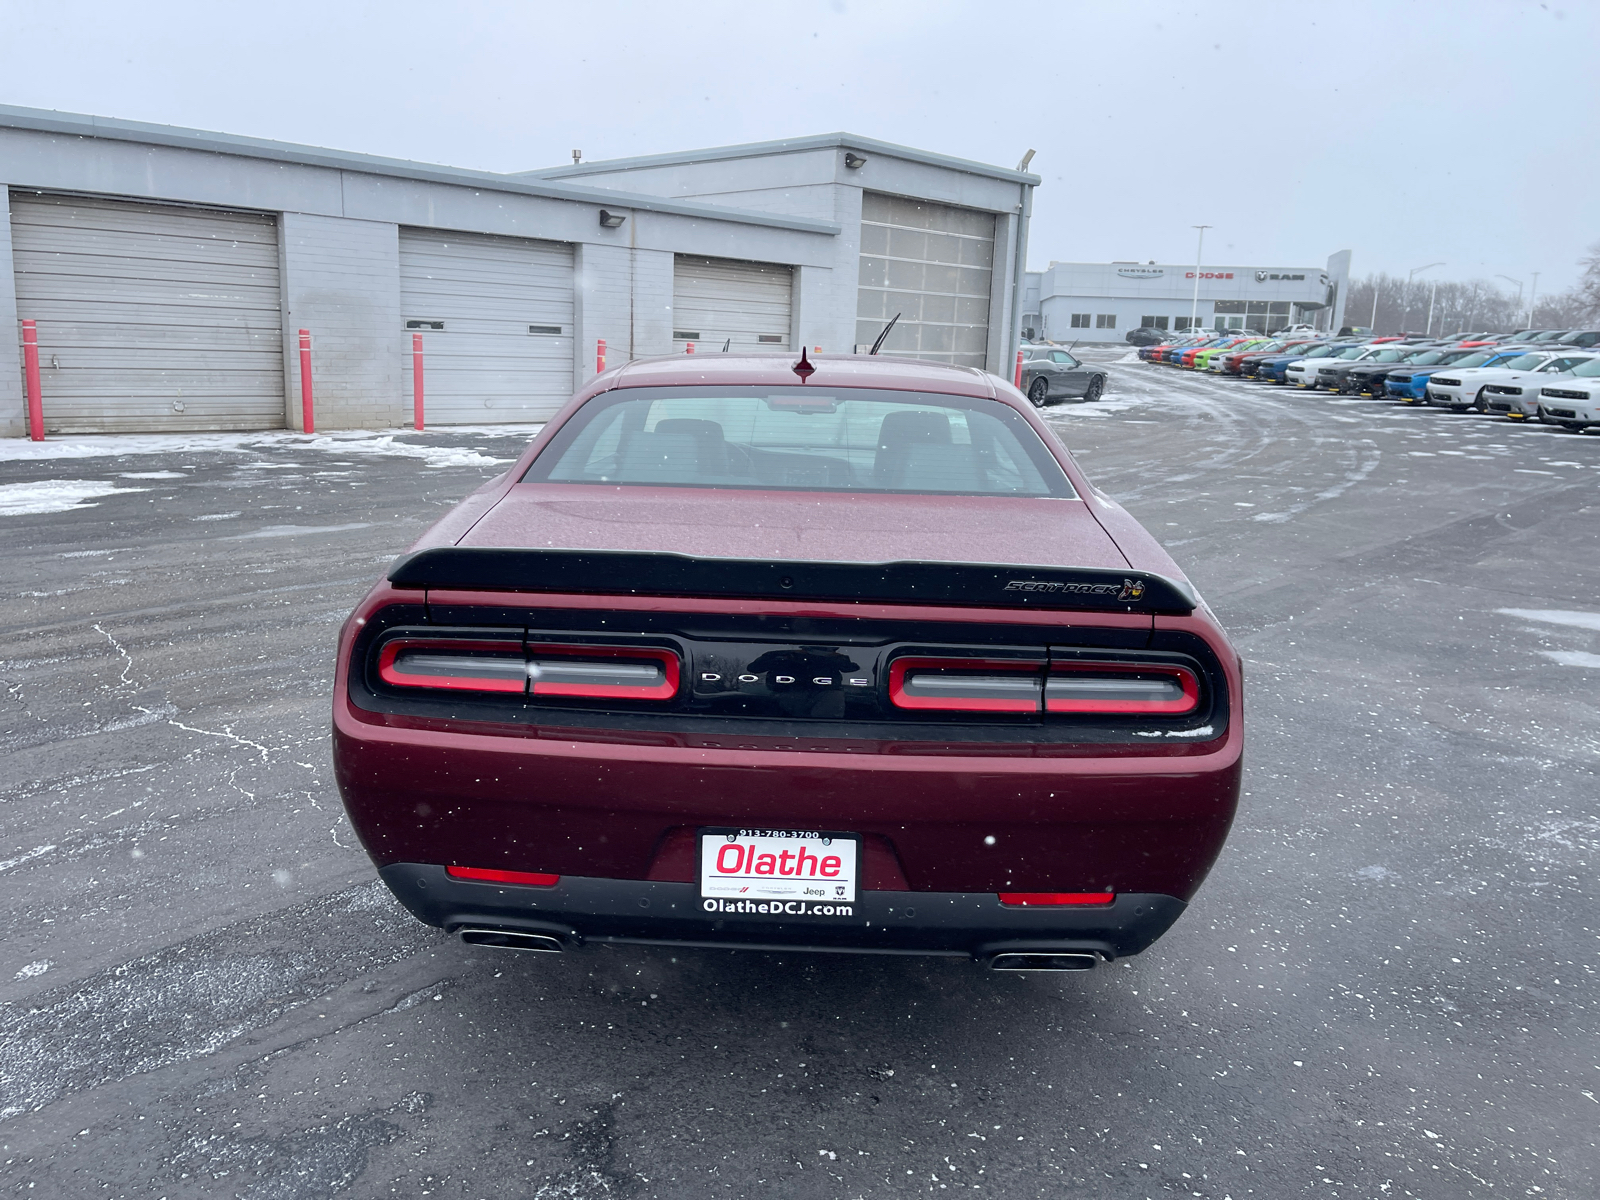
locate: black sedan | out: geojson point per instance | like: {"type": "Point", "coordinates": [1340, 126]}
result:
{"type": "Point", "coordinates": [1369, 376]}
{"type": "Point", "coordinates": [1145, 335]}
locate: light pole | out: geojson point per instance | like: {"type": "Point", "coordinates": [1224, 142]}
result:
{"type": "Point", "coordinates": [1518, 282]}
{"type": "Point", "coordinates": [1194, 308]}
{"type": "Point", "coordinates": [1532, 292]}
{"type": "Point", "coordinates": [1414, 272]}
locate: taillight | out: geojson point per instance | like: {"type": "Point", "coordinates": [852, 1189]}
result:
{"type": "Point", "coordinates": [490, 875]}
{"type": "Point", "coordinates": [965, 684]}
{"type": "Point", "coordinates": [1108, 687]}
{"type": "Point", "coordinates": [603, 672]}
{"type": "Point", "coordinates": [459, 661]}
{"type": "Point", "coordinates": [1030, 899]}
{"type": "Point", "coordinates": [458, 664]}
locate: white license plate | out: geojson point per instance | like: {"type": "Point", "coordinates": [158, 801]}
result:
{"type": "Point", "coordinates": [779, 872]}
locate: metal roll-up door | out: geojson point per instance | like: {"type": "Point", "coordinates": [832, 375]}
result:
{"type": "Point", "coordinates": [151, 317]}
{"type": "Point", "coordinates": [496, 315]}
{"type": "Point", "coordinates": [933, 264]}
{"type": "Point", "coordinates": [719, 302]}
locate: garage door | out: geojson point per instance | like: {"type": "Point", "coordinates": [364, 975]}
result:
{"type": "Point", "coordinates": [150, 317]}
{"type": "Point", "coordinates": [496, 318]}
{"type": "Point", "coordinates": [719, 302]}
{"type": "Point", "coordinates": [932, 264]}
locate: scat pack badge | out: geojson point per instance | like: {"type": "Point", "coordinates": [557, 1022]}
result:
{"type": "Point", "coordinates": [1131, 591]}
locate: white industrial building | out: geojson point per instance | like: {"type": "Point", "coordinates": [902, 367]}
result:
{"type": "Point", "coordinates": [168, 271]}
{"type": "Point", "coordinates": [1100, 302]}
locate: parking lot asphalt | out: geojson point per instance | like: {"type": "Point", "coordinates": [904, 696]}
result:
{"type": "Point", "coordinates": [1385, 989]}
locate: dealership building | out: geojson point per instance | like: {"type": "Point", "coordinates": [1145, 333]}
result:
{"type": "Point", "coordinates": [1100, 302]}
{"type": "Point", "coordinates": [168, 272]}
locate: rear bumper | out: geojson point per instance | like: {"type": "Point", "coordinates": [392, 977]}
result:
{"type": "Point", "coordinates": [966, 924]}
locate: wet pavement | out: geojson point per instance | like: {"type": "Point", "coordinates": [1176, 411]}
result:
{"type": "Point", "coordinates": [1386, 988]}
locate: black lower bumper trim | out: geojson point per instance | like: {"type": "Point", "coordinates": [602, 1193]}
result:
{"type": "Point", "coordinates": [968, 924]}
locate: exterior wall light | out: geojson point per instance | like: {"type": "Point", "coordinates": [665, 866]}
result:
{"type": "Point", "coordinates": [853, 160]}
{"type": "Point", "coordinates": [610, 220]}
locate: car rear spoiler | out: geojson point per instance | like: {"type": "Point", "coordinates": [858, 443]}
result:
{"type": "Point", "coordinates": [632, 573]}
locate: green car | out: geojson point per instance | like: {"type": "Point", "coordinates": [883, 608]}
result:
{"type": "Point", "coordinates": [1202, 361]}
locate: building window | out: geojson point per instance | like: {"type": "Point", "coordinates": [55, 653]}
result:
{"type": "Point", "coordinates": [1080, 320]}
{"type": "Point", "coordinates": [1228, 306]}
{"type": "Point", "coordinates": [1183, 322]}
{"type": "Point", "coordinates": [1105, 321]}
{"type": "Point", "coordinates": [1279, 308]}
{"type": "Point", "coordinates": [1152, 322]}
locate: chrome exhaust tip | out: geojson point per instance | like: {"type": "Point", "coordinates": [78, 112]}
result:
{"type": "Point", "coordinates": [1045, 961]}
{"type": "Point", "coordinates": [511, 939]}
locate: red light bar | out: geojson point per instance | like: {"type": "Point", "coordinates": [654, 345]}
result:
{"type": "Point", "coordinates": [965, 684]}
{"type": "Point", "coordinates": [1027, 899]}
{"type": "Point", "coordinates": [1120, 687]}
{"type": "Point", "coordinates": [603, 672]}
{"type": "Point", "coordinates": [488, 875]}
{"type": "Point", "coordinates": [458, 664]}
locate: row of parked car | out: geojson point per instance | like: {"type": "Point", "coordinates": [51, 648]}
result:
{"type": "Point", "coordinates": [1544, 375]}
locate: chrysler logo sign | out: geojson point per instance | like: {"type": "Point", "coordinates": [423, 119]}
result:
{"type": "Point", "coordinates": [1141, 272]}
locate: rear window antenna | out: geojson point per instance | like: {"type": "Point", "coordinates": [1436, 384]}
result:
{"type": "Point", "coordinates": [884, 334]}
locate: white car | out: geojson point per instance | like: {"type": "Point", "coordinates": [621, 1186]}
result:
{"type": "Point", "coordinates": [1575, 401]}
{"type": "Point", "coordinates": [1500, 389]}
{"type": "Point", "coordinates": [1304, 373]}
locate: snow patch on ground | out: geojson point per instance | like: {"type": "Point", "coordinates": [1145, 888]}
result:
{"type": "Point", "coordinates": [1555, 616]}
{"type": "Point", "coordinates": [154, 475]}
{"type": "Point", "coordinates": [344, 442]}
{"type": "Point", "coordinates": [54, 495]}
{"type": "Point", "coordinates": [1572, 658]}
{"type": "Point", "coordinates": [272, 531]}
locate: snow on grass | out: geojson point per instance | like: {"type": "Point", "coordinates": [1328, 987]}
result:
{"type": "Point", "coordinates": [54, 495]}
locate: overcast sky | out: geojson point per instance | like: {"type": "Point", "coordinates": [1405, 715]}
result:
{"type": "Point", "coordinates": [1406, 132]}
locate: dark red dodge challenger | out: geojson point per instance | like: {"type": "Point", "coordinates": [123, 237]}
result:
{"type": "Point", "coordinates": [844, 655]}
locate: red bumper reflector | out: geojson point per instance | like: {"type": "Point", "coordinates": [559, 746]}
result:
{"type": "Point", "coordinates": [1025, 899]}
{"type": "Point", "coordinates": [487, 875]}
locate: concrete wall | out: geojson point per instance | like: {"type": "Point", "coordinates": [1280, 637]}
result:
{"type": "Point", "coordinates": [624, 295]}
{"type": "Point", "coordinates": [341, 280]}
{"type": "Point", "coordinates": [814, 182]}
{"type": "Point", "coordinates": [13, 399]}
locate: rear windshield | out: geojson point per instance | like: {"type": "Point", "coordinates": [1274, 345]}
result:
{"type": "Point", "coordinates": [848, 439]}
{"type": "Point", "coordinates": [1526, 362]}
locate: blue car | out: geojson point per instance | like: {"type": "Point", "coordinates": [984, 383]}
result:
{"type": "Point", "coordinates": [1276, 368]}
{"type": "Point", "coordinates": [1409, 385]}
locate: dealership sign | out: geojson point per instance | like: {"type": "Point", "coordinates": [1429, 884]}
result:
{"type": "Point", "coordinates": [1210, 275]}
{"type": "Point", "coordinates": [1263, 276]}
{"type": "Point", "coordinates": [1141, 272]}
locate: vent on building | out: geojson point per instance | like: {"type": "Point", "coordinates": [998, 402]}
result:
{"type": "Point", "coordinates": [437, 326]}
{"type": "Point", "coordinates": [775, 339]}
{"type": "Point", "coordinates": [544, 329]}
{"type": "Point", "coordinates": [685, 335]}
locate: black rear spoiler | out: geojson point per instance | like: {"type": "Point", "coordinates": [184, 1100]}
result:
{"type": "Point", "coordinates": [632, 573]}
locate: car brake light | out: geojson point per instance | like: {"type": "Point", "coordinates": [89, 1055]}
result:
{"type": "Point", "coordinates": [489, 875]}
{"type": "Point", "coordinates": [603, 672]}
{"type": "Point", "coordinates": [1094, 687]}
{"type": "Point", "coordinates": [1028, 899]}
{"type": "Point", "coordinates": [458, 664]}
{"type": "Point", "coordinates": [965, 684]}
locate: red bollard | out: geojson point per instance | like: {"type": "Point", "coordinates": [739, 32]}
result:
{"type": "Point", "coordinates": [416, 381]}
{"type": "Point", "coordinates": [600, 356]}
{"type": "Point", "coordinates": [30, 362]}
{"type": "Point", "coordinates": [1017, 382]}
{"type": "Point", "coordinates": [307, 419]}
{"type": "Point", "coordinates": [689, 349]}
